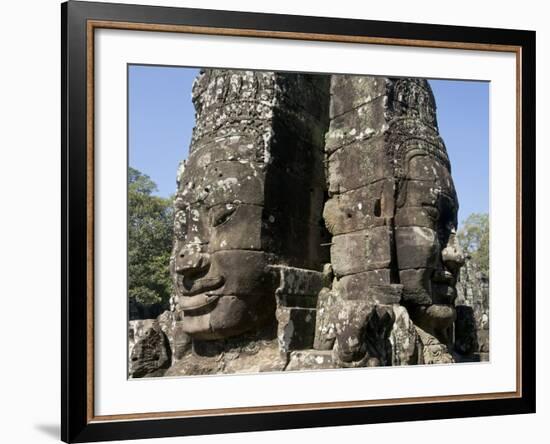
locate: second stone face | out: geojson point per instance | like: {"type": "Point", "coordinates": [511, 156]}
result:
{"type": "Point", "coordinates": [392, 204]}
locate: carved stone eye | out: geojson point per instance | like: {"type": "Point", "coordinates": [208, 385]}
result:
{"type": "Point", "coordinates": [222, 214]}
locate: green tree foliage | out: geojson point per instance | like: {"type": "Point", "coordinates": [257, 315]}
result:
{"type": "Point", "coordinates": [474, 239]}
{"type": "Point", "coordinates": [149, 241]}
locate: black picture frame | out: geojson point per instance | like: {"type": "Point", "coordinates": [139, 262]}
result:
{"type": "Point", "coordinates": [77, 423]}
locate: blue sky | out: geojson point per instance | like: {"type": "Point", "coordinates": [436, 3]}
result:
{"type": "Point", "coordinates": [463, 118]}
{"type": "Point", "coordinates": [161, 118]}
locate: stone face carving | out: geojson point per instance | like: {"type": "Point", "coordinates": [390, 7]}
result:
{"type": "Point", "coordinates": [392, 204]}
{"type": "Point", "coordinates": [249, 197]}
{"type": "Point", "coordinates": [428, 255]}
{"type": "Point", "coordinates": [315, 227]}
{"type": "Point", "coordinates": [248, 253]}
{"type": "Point", "coordinates": [360, 250]}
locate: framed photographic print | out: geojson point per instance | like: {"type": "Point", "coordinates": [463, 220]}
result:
{"type": "Point", "coordinates": [275, 221]}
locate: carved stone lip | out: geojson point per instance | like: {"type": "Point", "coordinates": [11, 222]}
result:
{"type": "Point", "coordinates": [201, 285]}
{"type": "Point", "coordinates": [192, 303]}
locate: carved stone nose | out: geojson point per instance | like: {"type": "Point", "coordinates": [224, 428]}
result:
{"type": "Point", "coordinates": [188, 262]}
{"type": "Point", "coordinates": [452, 254]}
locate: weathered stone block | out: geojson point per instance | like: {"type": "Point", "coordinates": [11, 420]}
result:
{"type": "Point", "coordinates": [236, 355]}
{"type": "Point", "coordinates": [351, 91]}
{"type": "Point", "coordinates": [358, 164]}
{"type": "Point", "coordinates": [296, 329]}
{"type": "Point", "coordinates": [227, 182]}
{"type": "Point", "coordinates": [351, 320]}
{"type": "Point", "coordinates": [417, 217]}
{"type": "Point", "coordinates": [349, 253]}
{"type": "Point", "coordinates": [298, 281]}
{"type": "Point", "coordinates": [432, 350]}
{"type": "Point", "coordinates": [424, 168]}
{"type": "Point", "coordinates": [417, 247]}
{"type": "Point", "coordinates": [151, 355]}
{"type": "Point", "coordinates": [298, 287]}
{"type": "Point", "coordinates": [233, 148]}
{"type": "Point", "coordinates": [310, 360]}
{"type": "Point", "coordinates": [359, 209]}
{"type": "Point", "coordinates": [362, 337]}
{"type": "Point", "coordinates": [216, 86]}
{"type": "Point", "coordinates": [412, 97]}
{"type": "Point", "coordinates": [180, 342]}
{"type": "Point", "coordinates": [136, 331]}
{"type": "Point", "coordinates": [373, 286]}
{"type": "Point", "coordinates": [327, 316]}
{"type": "Point", "coordinates": [404, 338]}
{"type": "Point", "coordinates": [418, 193]}
{"type": "Point", "coordinates": [224, 182]}
{"type": "Point", "coordinates": [240, 118]}
{"type": "Point", "coordinates": [227, 101]}
{"type": "Point", "coordinates": [379, 247]}
{"type": "Point", "coordinates": [364, 122]}
{"type": "Point", "coordinates": [361, 251]}
{"type": "Point", "coordinates": [417, 286]}
{"type": "Point", "coordinates": [268, 359]}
